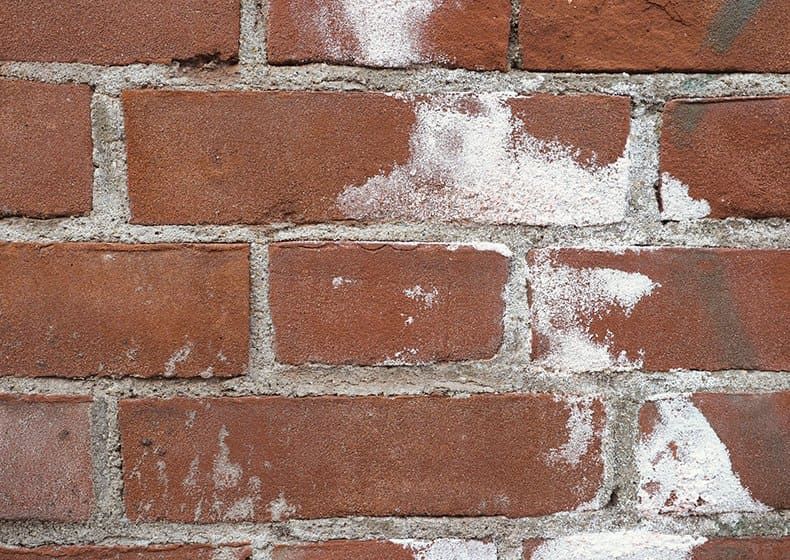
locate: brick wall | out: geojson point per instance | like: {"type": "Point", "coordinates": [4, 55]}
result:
{"type": "Point", "coordinates": [415, 280]}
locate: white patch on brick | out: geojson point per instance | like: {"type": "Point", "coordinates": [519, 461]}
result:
{"type": "Point", "coordinates": [405, 357]}
{"type": "Point", "coordinates": [244, 508]}
{"type": "Point", "coordinates": [565, 301]}
{"type": "Point", "coordinates": [225, 473]}
{"type": "Point", "coordinates": [417, 293]}
{"type": "Point", "coordinates": [484, 167]}
{"type": "Point", "coordinates": [483, 246]}
{"type": "Point", "coordinates": [580, 431]}
{"type": "Point", "coordinates": [677, 204]}
{"type": "Point", "coordinates": [449, 549]}
{"type": "Point", "coordinates": [685, 468]}
{"type": "Point", "coordinates": [339, 281]}
{"type": "Point", "coordinates": [178, 357]}
{"type": "Point", "coordinates": [625, 545]}
{"type": "Point", "coordinates": [387, 33]}
{"type": "Point", "coordinates": [280, 509]}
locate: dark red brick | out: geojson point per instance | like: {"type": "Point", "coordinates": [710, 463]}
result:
{"type": "Point", "coordinates": [119, 31]}
{"type": "Point", "coordinates": [272, 458]}
{"type": "Point", "coordinates": [639, 36]}
{"type": "Point", "coordinates": [154, 552]}
{"type": "Point", "coordinates": [46, 166]}
{"type": "Point", "coordinates": [45, 459]}
{"type": "Point", "coordinates": [378, 303]}
{"type": "Point", "coordinates": [81, 309]}
{"type": "Point", "coordinates": [389, 550]}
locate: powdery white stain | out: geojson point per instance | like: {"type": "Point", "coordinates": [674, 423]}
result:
{"type": "Point", "coordinates": [405, 357]}
{"type": "Point", "coordinates": [386, 33]}
{"type": "Point", "coordinates": [677, 204]}
{"type": "Point", "coordinates": [339, 281]}
{"type": "Point", "coordinates": [624, 545]}
{"type": "Point", "coordinates": [449, 549]}
{"type": "Point", "coordinates": [244, 508]}
{"type": "Point", "coordinates": [483, 246]}
{"type": "Point", "coordinates": [685, 468]}
{"type": "Point", "coordinates": [482, 166]}
{"type": "Point", "coordinates": [225, 473]}
{"type": "Point", "coordinates": [580, 431]}
{"type": "Point", "coordinates": [178, 357]}
{"type": "Point", "coordinates": [280, 509]}
{"type": "Point", "coordinates": [427, 298]}
{"type": "Point", "coordinates": [565, 302]}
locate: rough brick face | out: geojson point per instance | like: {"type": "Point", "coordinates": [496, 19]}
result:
{"type": "Point", "coordinates": [237, 459]}
{"type": "Point", "coordinates": [319, 156]}
{"type": "Point", "coordinates": [734, 154]}
{"type": "Point", "coordinates": [746, 443]}
{"type": "Point", "coordinates": [708, 309]}
{"type": "Point", "coordinates": [637, 35]}
{"type": "Point", "coordinates": [118, 31]}
{"type": "Point", "coordinates": [452, 549]}
{"type": "Point", "coordinates": [45, 461]}
{"type": "Point", "coordinates": [160, 552]}
{"type": "Point", "coordinates": [375, 303]}
{"type": "Point", "coordinates": [114, 309]}
{"type": "Point", "coordinates": [464, 33]}
{"type": "Point", "coordinates": [45, 149]}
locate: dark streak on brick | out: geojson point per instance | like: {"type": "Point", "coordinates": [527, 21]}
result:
{"type": "Point", "coordinates": [729, 22]}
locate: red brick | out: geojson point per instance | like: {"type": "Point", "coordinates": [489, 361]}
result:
{"type": "Point", "coordinates": [81, 309]}
{"type": "Point", "coordinates": [155, 552]}
{"type": "Point", "coordinates": [451, 549]}
{"type": "Point", "coordinates": [460, 34]}
{"type": "Point", "coordinates": [118, 31]}
{"type": "Point", "coordinates": [649, 545]}
{"type": "Point", "coordinates": [633, 35]}
{"type": "Point", "coordinates": [709, 309]}
{"type": "Point", "coordinates": [272, 458]}
{"type": "Point", "coordinates": [263, 157]}
{"type": "Point", "coordinates": [45, 460]}
{"type": "Point", "coordinates": [377, 303]}
{"type": "Point", "coordinates": [46, 167]}
{"type": "Point", "coordinates": [732, 153]}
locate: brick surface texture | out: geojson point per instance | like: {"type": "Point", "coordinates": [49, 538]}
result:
{"type": "Point", "coordinates": [403, 280]}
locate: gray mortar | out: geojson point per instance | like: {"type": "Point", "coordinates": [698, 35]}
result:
{"type": "Point", "coordinates": [510, 371]}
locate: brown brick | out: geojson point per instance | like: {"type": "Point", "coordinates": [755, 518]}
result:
{"type": "Point", "coordinates": [747, 442]}
{"type": "Point", "coordinates": [77, 309]}
{"type": "Point", "coordinates": [460, 34]}
{"type": "Point", "coordinates": [661, 308]}
{"type": "Point", "coordinates": [633, 35]}
{"type": "Point", "coordinates": [46, 167]}
{"type": "Point", "coordinates": [155, 552]}
{"type": "Point", "coordinates": [642, 544]}
{"type": "Point", "coordinates": [272, 458]}
{"type": "Point", "coordinates": [377, 303]}
{"type": "Point", "coordinates": [119, 31]}
{"type": "Point", "coordinates": [451, 549]}
{"type": "Point", "coordinates": [45, 460]}
{"type": "Point", "coordinates": [732, 153]}
{"type": "Point", "coordinates": [264, 157]}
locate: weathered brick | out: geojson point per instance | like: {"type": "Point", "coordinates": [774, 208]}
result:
{"type": "Point", "coordinates": [45, 460]}
{"type": "Point", "coordinates": [385, 303]}
{"type": "Point", "coordinates": [633, 35]}
{"type": "Point", "coordinates": [46, 167]}
{"type": "Point", "coordinates": [726, 158]}
{"type": "Point", "coordinates": [460, 34]}
{"type": "Point", "coordinates": [660, 309]}
{"type": "Point", "coordinates": [442, 549]}
{"type": "Point", "coordinates": [302, 157]}
{"type": "Point", "coordinates": [715, 453]}
{"type": "Point", "coordinates": [80, 309]}
{"type": "Point", "coordinates": [643, 544]}
{"type": "Point", "coordinates": [118, 31]}
{"type": "Point", "coordinates": [272, 458]}
{"type": "Point", "coordinates": [154, 552]}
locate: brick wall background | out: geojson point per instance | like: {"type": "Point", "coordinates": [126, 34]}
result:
{"type": "Point", "coordinates": [431, 280]}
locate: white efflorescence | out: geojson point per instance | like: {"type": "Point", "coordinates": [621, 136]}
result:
{"type": "Point", "coordinates": [482, 166]}
{"type": "Point", "coordinates": [624, 545]}
{"type": "Point", "coordinates": [684, 467]}
{"type": "Point", "coordinates": [580, 431]}
{"type": "Point", "coordinates": [483, 246]}
{"type": "Point", "coordinates": [677, 203]}
{"type": "Point", "coordinates": [386, 33]}
{"type": "Point", "coordinates": [449, 549]}
{"type": "Point", "coordinates": [566, 300]}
